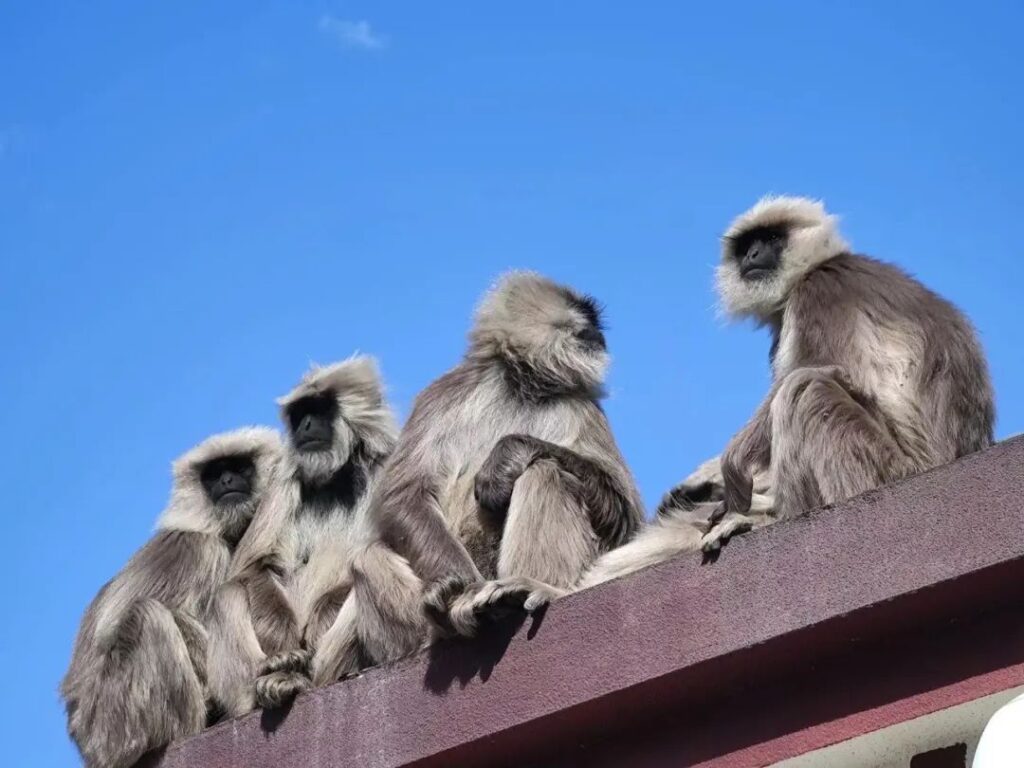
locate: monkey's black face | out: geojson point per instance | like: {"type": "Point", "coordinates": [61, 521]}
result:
{"type": "Point", "coordinates": [229, 480]}
{"type": "Point", "coordinates": [591, 334]}
{"type": "Point", "coordinates": [311, 421]}
{"type": "Point", "coordinates": [758, 252]}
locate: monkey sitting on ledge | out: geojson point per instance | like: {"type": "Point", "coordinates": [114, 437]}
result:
{"type": "Point", "coordinates": [138, 674]}
{"type": "Point", "coordinates": [875, 378]}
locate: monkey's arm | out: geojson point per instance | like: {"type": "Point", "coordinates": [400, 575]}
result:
{"type": "Point", "coordinates": [410, 523]}
{"type": "Point", "coordinates": [748, 451]}
{"type": "Point", "coordinates": [607, 502]}
{"type": "Point", "coordinates": [252, 625]}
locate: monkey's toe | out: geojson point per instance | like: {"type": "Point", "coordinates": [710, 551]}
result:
{"type": "Point", "coordinates": [720, 534]}
{"type": "Point", "coordinates": [279, 688]}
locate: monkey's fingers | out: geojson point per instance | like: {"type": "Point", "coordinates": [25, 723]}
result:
{"type": "Point", "coordinates": [279, 688]}
{"type": "Point", "coordinates": [510, 595]}
{"type": "Point", "coordinates": [720, 534]}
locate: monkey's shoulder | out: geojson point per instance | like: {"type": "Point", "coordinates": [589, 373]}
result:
{"type": "Point", "coordinates": [174, 559]}
{"type": "Point", "coordinates": [447, 391]}
{"type": "Point", "coordinates": [858, 280]}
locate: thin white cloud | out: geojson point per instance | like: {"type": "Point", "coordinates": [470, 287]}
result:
{"type": "Point", "coordinates": [352, 34]}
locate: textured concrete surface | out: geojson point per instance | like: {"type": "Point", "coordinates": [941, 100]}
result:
{"type": "Point", "coordinates": [904, 601]}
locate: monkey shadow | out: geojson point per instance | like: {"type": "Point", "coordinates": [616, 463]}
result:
{"type": "Point", "coordinates": [272, 719]}
{"type": "Point", "coordinates": [463, 659]}
{"type": "Point", "coordinates": [151, 759]}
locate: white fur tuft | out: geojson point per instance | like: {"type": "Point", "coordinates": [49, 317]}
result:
{"type": "Point", "coordinates": [813, 238]}
{"type": "Point", "coordinates": [189, 508]}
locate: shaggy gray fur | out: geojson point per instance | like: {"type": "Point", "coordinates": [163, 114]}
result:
{"type": "Point", "coordinates": [683, 518]}
{"type": "Point", "coordinates": [137, 679]}
{"type": "Point", "coordinates": [291, 574]}
{"type": "Point", "coordinates": [506, 469]}
{"type": "Point", "coordinates": [874, 376]}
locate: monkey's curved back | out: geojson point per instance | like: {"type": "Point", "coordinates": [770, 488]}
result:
{"type": "Point", "coordinates": [911, 348]}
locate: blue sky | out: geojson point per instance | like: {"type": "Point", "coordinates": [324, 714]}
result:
{"type": "Point", "coordinates": [196, 202]}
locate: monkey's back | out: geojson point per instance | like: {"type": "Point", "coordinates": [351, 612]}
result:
{"type": "Point", "coordinates": [907, 347]}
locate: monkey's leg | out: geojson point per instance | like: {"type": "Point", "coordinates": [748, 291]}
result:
{"type": "Point", "coordinates": [547, 535]}
{"type": "Point", "coordinates": [829, 442]}
{"type": "Point", "coordinates": [339, 653]}
{"type": "Point", "coordinates": [389, 605]}
{"type": "Point", "coordinates": [144, 693]}
{"type": "Point", "coordinates": [235, 652]}
{"type": "Point", "coordinates": [547, 542]}
{"type": "Point", "coordinates": [381, 620]}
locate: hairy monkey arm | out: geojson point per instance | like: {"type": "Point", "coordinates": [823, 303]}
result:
{"type": "Point", "coordinates": [749, 449]}
{"type": "Point", "coordinates": [610, 506]}
{"type": "Point", "coordinates": [410, 523]}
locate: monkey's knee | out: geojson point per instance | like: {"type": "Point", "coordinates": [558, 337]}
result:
{"type": "Point", "coordinates": [807, 393]}
{"type": "Point", "coordinates": [389, 610]}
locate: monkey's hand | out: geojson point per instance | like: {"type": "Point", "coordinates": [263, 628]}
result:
{"type": "Point", "coordinates": [282, 677]}
{"type": "Point", "coordinates": [492, 600]}
{"type": "Point", "coordinates": [279, 688]}
{"type": "Point", "coordinates": [493, 485]}
{"type": "Point", "coordinates": [731, 524]}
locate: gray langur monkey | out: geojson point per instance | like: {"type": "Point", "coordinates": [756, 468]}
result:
{"type": "Point", "coordinates": [506, 482]}
{"type": "Point", "coordinates": [874, 377]}
{"type": "Point", "coordinates": [291, 573]}
{"type": "Point", "coordinates": [138, 673]}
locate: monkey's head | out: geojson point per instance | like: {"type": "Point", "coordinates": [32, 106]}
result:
{"type": "Point", "coordinates": [768, 249]}
{"type": "Point", "coordinates": [334, 412]}
{"type": "Point", "coordinates": [220, 483]}
{"type": "Point", "coordinates": [548, 338]}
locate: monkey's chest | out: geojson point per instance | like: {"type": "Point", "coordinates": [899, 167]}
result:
{"type": "Point", "coordinates": [319, 558]}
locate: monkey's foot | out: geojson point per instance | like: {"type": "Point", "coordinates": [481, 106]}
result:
{"type": "Point", "coordinates": [279, 688]}
{"type": "Point", "coordinates": [732, 524]}
{"type": "Point", "coordinates": [287, 661]}
{"type": "Point", "coordinates": [495, 599]}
